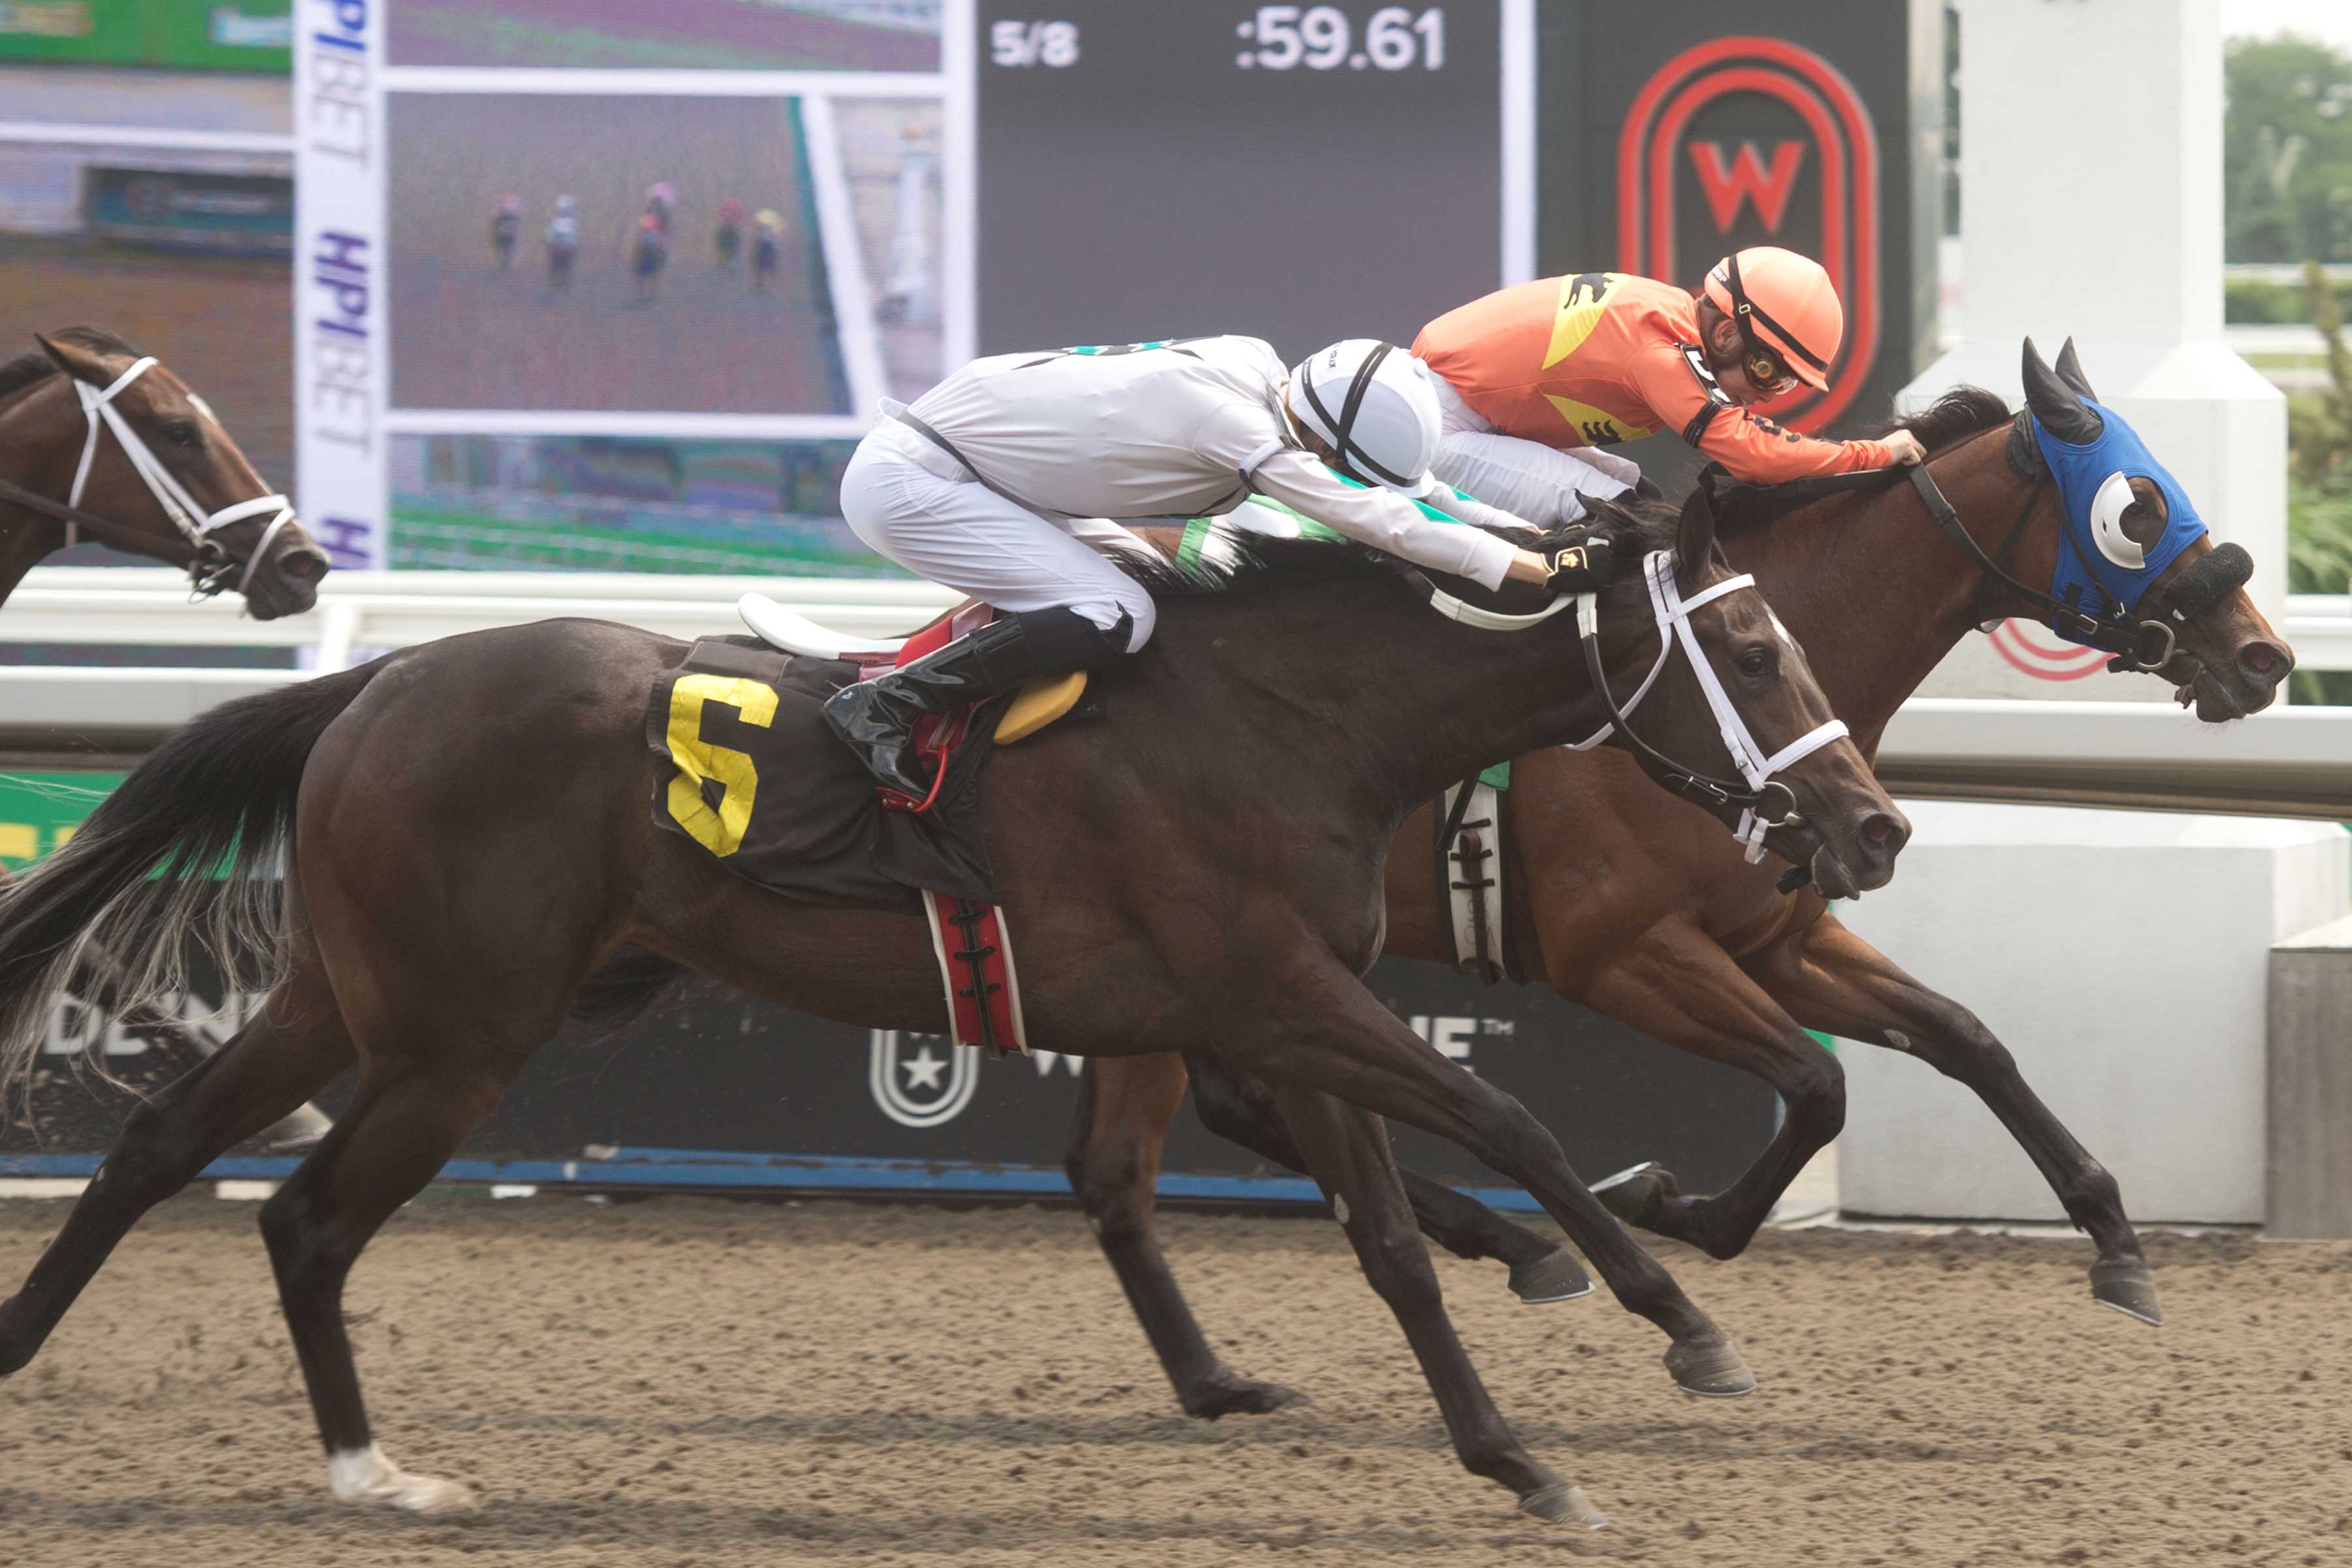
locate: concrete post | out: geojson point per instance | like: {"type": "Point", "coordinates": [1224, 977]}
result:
{"type": "Point", "coordinates": [2091, 206]}
{"type": "Point", "coordinates": [2309, 1190]}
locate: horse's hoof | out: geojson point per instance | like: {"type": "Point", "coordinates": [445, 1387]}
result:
{"type": "Point", "coordinates": [1231, 1395]}
{"type": "Point", "coordinates": [367, 1477]}
{"type": "Point", "coordinates": [1554, 1276]}
{"type": "Point", "coordinates": [1564, 1504]}
{"type": "Point", "coordinates": [2129, 1286]}
{"type": "Point", "coordinates": [1712, 1369]}
{"type": "Point", "coordinates": [1639, 1194]}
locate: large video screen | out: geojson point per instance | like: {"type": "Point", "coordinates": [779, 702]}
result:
{"type": "Point", "coordinates": [617, 285]}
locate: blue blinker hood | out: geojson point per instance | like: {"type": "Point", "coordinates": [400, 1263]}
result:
{"type": "Point", "coordinates": [2095, 559]}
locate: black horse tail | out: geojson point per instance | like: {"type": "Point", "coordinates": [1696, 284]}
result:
{"type": "Point", "coordinates": [182, 857]}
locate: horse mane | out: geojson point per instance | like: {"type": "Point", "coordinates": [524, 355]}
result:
{"type": "Point", "coordinates": [1233, 559]}
{"type": "Point", "coordinates": [1957, 415]}
{"type": "Point", "coordinates": [31, 369]}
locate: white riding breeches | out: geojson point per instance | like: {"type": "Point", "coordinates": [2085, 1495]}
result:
{"type": "Point", "coordinates": [1542, 484]}
{"type": "Point", "coordinates": [963, 535]}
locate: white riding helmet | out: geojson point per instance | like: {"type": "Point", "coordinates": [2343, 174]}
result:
{"type": "Point", "coordinates": [1373, 404]}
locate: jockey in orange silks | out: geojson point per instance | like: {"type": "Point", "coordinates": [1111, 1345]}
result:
{"type": "Point", "coordinates": [1535, 380]}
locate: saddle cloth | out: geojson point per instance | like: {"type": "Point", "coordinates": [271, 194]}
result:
{"type": "Point", "coordinates": [1472, 869]}
{"type": "Point", "coordinates": [735, 710]}
{"type": "Point", "coordinates": [746, 766]}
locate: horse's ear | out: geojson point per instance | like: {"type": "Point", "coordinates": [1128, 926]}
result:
{"type": "Point", "coordinates": [1694, 537]}
{"type": "Point", "coordinates": [2070, 371]}
{"type": "Point", "coordinates": [73, 359]}
{"type": "Point", "coordinates": [2062, 412]}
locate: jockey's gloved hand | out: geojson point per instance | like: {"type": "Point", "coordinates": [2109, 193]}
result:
{"type": "Point", "coordinates": [1582, 567]}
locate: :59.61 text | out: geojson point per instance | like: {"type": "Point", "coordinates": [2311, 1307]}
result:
{"type": "Point", "coordinates": [1321, 39]}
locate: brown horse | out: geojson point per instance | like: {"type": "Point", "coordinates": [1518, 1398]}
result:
{"type": "Point", "coordinates": [466, 838]}
{"type": "Point", "coordinates": [184, 494]}
{"type": "Point", "coordinates": [1637, 912]}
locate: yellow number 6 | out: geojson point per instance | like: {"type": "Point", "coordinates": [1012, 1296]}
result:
{"type": "Point", "coordinates": [720, 831]}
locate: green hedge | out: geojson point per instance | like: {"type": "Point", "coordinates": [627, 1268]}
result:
{"type": "Point", "coordinates": [2250, 301]}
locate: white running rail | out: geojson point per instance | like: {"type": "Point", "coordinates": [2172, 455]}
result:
{"type": "Point", "coordinates": [382, 610]}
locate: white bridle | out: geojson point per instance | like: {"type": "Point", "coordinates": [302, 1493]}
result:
{"type": "Point", "coordinates": [170, 494]}
{"type": "Point", "coordinates": [1674, 619]}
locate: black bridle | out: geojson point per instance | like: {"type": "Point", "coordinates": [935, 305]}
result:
{"type": "Point", "coordinates": [2139, 642]}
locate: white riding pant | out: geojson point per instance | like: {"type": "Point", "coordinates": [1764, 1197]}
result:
{"type": "Point", "coordinates": [1542, 484]}
{"type": "Point", "coordinates": [961, 534]}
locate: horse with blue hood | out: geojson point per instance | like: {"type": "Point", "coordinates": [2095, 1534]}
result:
{"type": "Point", "coordinates": [2134, 564]}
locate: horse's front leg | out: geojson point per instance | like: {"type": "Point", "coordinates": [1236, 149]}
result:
{"type": "Point", "coordinates": [1307, 1022]}
{"type": "Point", "coordinates": [1125, 1104]}
{"type": "Point", "coordinates": [1243, 1110]}
{"type": "Point", "coordinates": [1831, 980]}
{"type": "Point", "coordinates": [1346, 1151]}
{"type": "Point", "coordinates": [1679, 987]}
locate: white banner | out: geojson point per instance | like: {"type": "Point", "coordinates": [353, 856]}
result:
{"type": "Point", "coordinates": [340, 344]}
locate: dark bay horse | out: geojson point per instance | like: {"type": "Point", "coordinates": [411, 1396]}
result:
{"type": "Point", "coordinates": [1637, 911]}
{"type": "Point", "coordinates": [465, 837]}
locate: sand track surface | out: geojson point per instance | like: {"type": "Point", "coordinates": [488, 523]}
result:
{"type": "Point", "coordinates": [694, 1381]}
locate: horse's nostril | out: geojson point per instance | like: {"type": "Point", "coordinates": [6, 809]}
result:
{"type": "Point", "coordinates": [2260, 657]}
{"type": "Point", "coordinates": [1877, 829]}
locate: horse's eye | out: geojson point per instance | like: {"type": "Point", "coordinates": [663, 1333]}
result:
{"type": "Point", "coordinates": [183, 433]}
{"type": "Point", "coordinates": [1756, 661]}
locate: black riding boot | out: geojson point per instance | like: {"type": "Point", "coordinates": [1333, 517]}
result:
{"type": "Point", "coordinates": [876, 717]}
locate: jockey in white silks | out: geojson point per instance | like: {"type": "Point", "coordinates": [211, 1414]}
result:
{"type": "Point", "coordinates": [991, 480]}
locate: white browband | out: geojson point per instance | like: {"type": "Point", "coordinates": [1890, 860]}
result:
{"type": "Point", "coordinates": [170, 494]}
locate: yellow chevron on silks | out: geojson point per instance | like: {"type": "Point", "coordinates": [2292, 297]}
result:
{"type": "Point", "coordinates": [1595, 427]}
{"type": "Point", "coordinates": [1583, 299]}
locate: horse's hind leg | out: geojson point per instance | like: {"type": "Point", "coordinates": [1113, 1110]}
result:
{"type": "Point", "coordinates": [1125, 1104]}
{"type": "Point", "coordinates": [282, 1057]}
{"type": "Point", "coordinates": [1242, 1110]}
{"type": "Point", "coordinates": [1348, 1152]}
{"type": "Point", "coordinates": [408, 1117]}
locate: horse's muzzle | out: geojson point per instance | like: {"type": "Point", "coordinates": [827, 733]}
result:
{"type": "Point", "coordinates": [286, 583]}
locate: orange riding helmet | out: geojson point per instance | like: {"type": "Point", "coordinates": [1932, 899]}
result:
{"type": "Point", "coordinates": [1784, 306]}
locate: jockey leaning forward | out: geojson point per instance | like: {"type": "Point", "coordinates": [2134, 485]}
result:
{"type": "Point", "coordinates": [1534, 378]}
{"type": "Point", "coordinates": [989, 481]}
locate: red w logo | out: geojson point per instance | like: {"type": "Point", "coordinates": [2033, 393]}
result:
{"type": "Point", "coordinates": [1744, 179]}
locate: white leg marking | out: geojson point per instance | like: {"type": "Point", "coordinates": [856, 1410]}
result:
{"type": "Point", "coordinates": [365, 1476]}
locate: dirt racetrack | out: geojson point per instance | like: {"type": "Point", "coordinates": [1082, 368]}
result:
{"type": "Point", "coordinates": [690, 1382]}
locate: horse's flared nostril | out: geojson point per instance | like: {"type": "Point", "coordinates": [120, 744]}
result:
{"type": "Point", "coordinates": [1884, 834]}
{"type": "Point", "coordinates": [2266, 661]}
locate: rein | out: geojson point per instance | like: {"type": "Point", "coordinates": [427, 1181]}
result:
{"type": "Point", "coordinates": [1756, 766]}
{"type": "Point", "coordinates": [1672, 613]}
{"type": "Point", "coordinates": [210, 567]}
{"type": "Point", "coordinates": [2138, 644]}
{"type": "Point", "coordinates": [2142, 643]}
